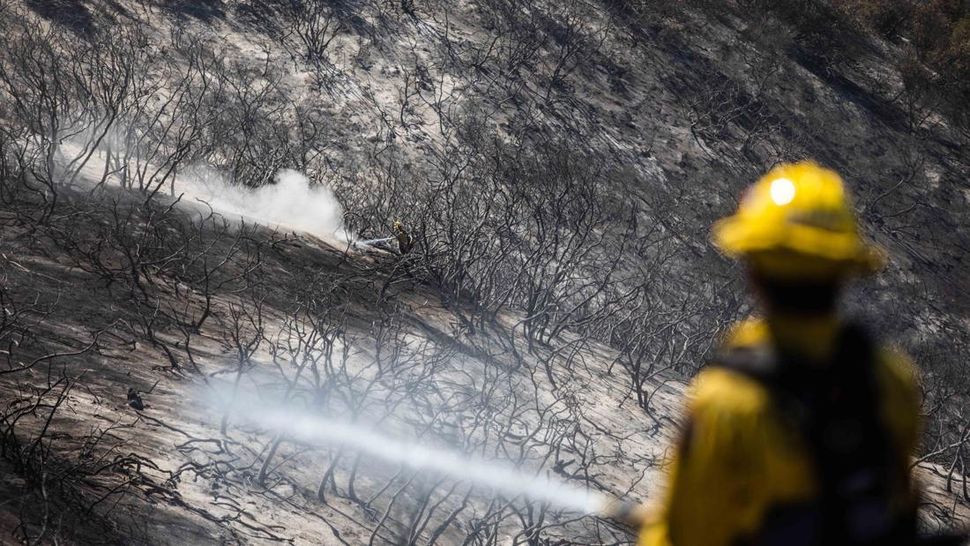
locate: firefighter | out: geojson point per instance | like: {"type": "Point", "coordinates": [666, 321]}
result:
{"type": "Point", "coordinates": [800, 430]}
{"type": "Point", "coordinates": [404, 240]}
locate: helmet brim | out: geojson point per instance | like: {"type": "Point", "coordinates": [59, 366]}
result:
{"type": "Point", "coordinates": [798, 250]}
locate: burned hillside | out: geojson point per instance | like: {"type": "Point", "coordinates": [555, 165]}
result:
{"type": "Point", "coordinates": [184, 186]}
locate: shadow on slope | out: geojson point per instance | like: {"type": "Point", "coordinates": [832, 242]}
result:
{"type": "Point", "coordinates": [71, 14]}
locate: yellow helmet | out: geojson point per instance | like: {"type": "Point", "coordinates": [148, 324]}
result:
{"type": "Point", "coordinates": [797, 222]}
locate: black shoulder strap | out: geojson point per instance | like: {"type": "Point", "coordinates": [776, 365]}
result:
{"type": "Point", "coordinates": [853, 360]}
{"type": "Point", "coordinates": [855, 353]}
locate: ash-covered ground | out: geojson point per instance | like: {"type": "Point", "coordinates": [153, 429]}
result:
{"type": "Point", "coordinates": [182, 184]}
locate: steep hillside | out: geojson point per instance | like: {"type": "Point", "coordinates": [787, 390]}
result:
{"type": "Point", "coordinates": [558, 165]}
{"type": "Point", "coordinates": [109, 296]}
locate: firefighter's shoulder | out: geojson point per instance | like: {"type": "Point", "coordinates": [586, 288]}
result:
{"type": "Point", "coordinates": [722, 391]}
{"type": "Point", "coordinates": [721, 386]}
{"type": "Point", "coordinates": [898, 382]}
{"type": "Point", "coordinates": [748, 333]}
{"type": "Point", "coordinates": [897, 368]}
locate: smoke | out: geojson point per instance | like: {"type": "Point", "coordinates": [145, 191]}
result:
{"type": "Point", "coordinates": [290, 202]}
{"type": "Point", "coordinates": [498, 476]}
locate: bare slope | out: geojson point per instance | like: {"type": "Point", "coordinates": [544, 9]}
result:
{"type": "Point", "coordinates": [86, 323]}
{"type": "Point", "coordinates": [559, 164]}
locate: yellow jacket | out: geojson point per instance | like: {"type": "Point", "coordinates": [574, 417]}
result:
{"type": "Point", "coordinates": [743, 460]}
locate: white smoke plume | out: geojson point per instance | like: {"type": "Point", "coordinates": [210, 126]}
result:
{"type": "Point", "coordinates": [290, 202]}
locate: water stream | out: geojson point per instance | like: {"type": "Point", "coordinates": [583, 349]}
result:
{"type": "Point", "coordinates": [501, 477]}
